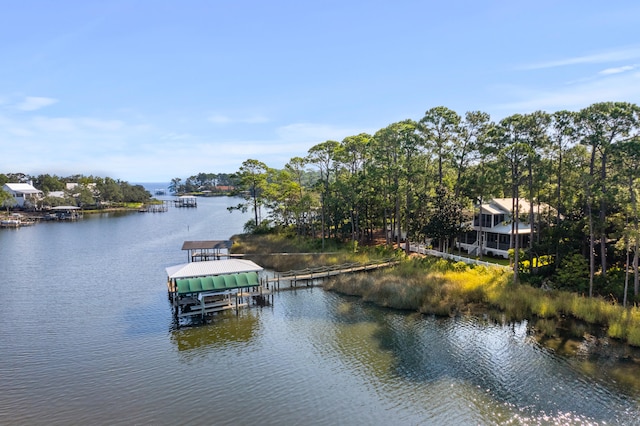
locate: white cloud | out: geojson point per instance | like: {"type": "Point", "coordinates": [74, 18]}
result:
{"type": "Point", "coordinates": [624, 54]}
{"type": "Point", "coordinates": [611, 87]}
{"type": "Point", "coordinates": [99, 124]}
{"type": "Point", "coordinates": [54, 124]}
{"type": "Point", "coordinates": [173, 136]}
{"type": "Point", "coordinates": [219, 119]}
{"type": "Point", "coordinates": [617, 70]}
{"type": "Point", "coordinates": [32, 103]}
{"type": "Point", "coordinates": [312, 132]}
{"type": "Point", "coordinates": [225, 119]}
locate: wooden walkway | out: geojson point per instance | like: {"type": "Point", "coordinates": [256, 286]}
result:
{"type": "Point", "coordinates": [422, 249]}
{"type": "Point", "coordinates": [308, 275]}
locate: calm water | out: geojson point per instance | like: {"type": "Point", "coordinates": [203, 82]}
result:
{"type": "Point", "coordinates": [87, 337]}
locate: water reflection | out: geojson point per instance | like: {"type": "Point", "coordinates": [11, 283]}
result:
{"type": "Point", "coordinates": [224, 330]}
{"type": "Point", "coordinates": [500, 367]}
{"type": "Point", "coordinates": [89, 338]}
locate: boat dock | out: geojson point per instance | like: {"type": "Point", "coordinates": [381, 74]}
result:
{"type": "Point", "coordinates": [214, 281]}
{"type": "Point", "coordinates": [16, 220]}
{"type": "Point", "coordinates": [186, 201]}
{"type": "Point", "coordinates": [197, 289]}
{"type": "Point", "coordinates": [207, 250]}
{"type": "Point", "coordinates": [155, 208]}
{"type": "Point", "coordinates": [308, 275]}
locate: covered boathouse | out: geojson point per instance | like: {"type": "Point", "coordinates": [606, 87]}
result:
{"type": "Point", "coordinates": [197, 289]}
{"type": "Point", "coordinates": [207, 250]}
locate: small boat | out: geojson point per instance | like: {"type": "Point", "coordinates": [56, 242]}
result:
{"type": "Point", "coordinates": [10, 223]}
{"type": "Point", "coordinates": [16, 220]}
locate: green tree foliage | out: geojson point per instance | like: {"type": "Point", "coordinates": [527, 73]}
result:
{"type": "Point", "coordinates": [252, 184]}
{"type": "Point", "coordinates": [573, 274]}
{"type": "Point", "coordinates": [447, 219]}
{"type": "Point", "coordinates": [413, 179]}
{"type": "Point", "coordinates": [47, 183]}
{"type": "Point", "coordinates": [6, 199]}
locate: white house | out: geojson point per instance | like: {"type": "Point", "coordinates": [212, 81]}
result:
{"type": "Point", "coordinates": [24, 194]}
{"type": "Point", "coordinates": [492, 224]}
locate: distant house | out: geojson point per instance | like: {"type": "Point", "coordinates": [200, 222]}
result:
{"type": "Point", "coordinates": [70, 186]}
{"type": "Point", "coordinates": [492, 225]}
{"type": "Point", "coordinates": [56, 194]}
{"type": "Point", "coordinates": [24, 194]}
{"type": "Point", "coordinates": [224, 188]}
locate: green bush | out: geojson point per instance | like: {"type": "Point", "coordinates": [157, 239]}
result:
{"type": "Point", "coordinates": [573, 274]}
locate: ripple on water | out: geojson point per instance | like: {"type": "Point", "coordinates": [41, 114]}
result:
{"type": "Point", "coordinates": [102, 348]}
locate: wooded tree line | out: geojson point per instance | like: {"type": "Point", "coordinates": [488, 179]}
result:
{"type": "Point", "coordinates": [202, 182]}
{"type": "Point", "coordinates": [419, 178]}
{"type": "Point", "coordinates": [90, 191]}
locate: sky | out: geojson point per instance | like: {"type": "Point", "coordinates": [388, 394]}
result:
{"type": "Point", "coordinates": [150, 90]}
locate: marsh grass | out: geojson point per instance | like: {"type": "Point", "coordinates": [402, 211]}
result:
{"type": "Point", "coordinates": [301, 252]}
{"type": "Point", "coordinates": [436, 286]}
{"type": "Point", "coordinates": [426, 285]}
{"type": "Point", "coordinates": [441, 288]}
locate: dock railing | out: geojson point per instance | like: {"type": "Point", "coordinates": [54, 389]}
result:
{"type": "Point", "coordinates": [423, 249]}
{"type": "Point", "coordinates": [320, 272]}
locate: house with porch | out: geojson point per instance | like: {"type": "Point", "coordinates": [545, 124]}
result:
{"type": "Point", "coordinates": [25, 195]}
{"type": "Point", "coordinates": [492, 225]}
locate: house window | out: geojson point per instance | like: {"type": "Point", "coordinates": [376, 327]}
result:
{"type": "Point", "coordinates": [486, 220]}
{"type": "Point", "coordinates": [499, 218]}
{"type": "Point", "coordinates": [470, 237]}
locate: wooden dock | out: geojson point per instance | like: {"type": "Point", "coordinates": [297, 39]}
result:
{"type": "Point", "coordinates": [199, 289]}
{"type": "Point", "coordinates": [155, 208]}
{"type": "Point", "coordinates": [208, 303]}
{"type": "Point", "coordinates": [186, 201]}
{"type": "Point", "coordinates": [308, 275]}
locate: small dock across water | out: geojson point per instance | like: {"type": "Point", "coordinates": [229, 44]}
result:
{"type": "Point", "coordinates": [155, 208]}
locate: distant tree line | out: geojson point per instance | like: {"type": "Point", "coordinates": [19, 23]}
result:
{"type": "Point", "coordinates": [422, 178]}
{"type": "Point", "coordinates": [90, 191]}
{"type": "Point", "coordinates": [215, 183]}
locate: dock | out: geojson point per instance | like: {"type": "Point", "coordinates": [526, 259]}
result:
{"type": "Point", "coordinates": [198, 289]}
{"type": "Point", "coordinates": [308, 275]}
{"type": "Point", "coordinates": [207, 250]}
{"type": "Point", "coordinates": [213, 280]}
{"type": "Point", "coordinates": [155, 208]}
{"type": "Point", "coordinates": [186, 201]}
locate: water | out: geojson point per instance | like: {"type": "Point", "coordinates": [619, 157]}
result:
{"type": "Point", "coordinates": [87, 337]}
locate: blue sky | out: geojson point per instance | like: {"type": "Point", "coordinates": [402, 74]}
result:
{"type": "Point", "coordinates": [150, 90]}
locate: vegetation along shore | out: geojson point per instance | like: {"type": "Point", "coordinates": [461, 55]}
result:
{"type": "Point", "coordinates": [556, 193]}
{"type": "Point", "coordinates": [431, 285]}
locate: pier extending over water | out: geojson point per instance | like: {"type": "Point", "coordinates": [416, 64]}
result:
{"type": "Point", "coordinates": [208, 283]}
{"type": "Point", "coordinates": [308, 275]}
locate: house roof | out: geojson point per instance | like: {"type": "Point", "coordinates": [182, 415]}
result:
{"type": "Point", "coordinates": [487, 208]}
{"type": "Point", "coordinates": [212, 268]}
{"type": "Point", "coordinates": [523, 228]}
{"type": "Point", "coordinates": [23, 188]}
{"type": "Point", "coordinates": [209, 245]}
{"type": "Point", "coordinates": [504, 205]}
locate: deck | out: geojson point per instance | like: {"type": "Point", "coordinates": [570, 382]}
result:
{"type": "Point", "coordinates": [308, 275]}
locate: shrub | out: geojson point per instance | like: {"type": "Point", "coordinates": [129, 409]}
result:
{"type": "Point", "coordinates": [573, 274]}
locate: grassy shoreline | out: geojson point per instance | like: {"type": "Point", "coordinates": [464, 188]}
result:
{"type": "Point", "coordinates": [436, 286]}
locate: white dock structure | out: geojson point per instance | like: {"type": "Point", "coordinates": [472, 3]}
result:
{"type": "Point", "coordinates": [197, 289]}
